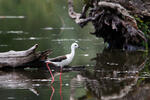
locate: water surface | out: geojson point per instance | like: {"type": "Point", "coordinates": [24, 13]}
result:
{"type": "Point", "coordinates": [104, 74]}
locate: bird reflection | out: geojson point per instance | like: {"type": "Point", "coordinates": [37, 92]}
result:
{"type": "Point", "coordinates": [53, 90]}
{"type": "Point", "coordinates": [60, 91]}
{"type": "Point", "coordinates": [50, 72]}
{"type": "Point", "coordinates": [60, 84]}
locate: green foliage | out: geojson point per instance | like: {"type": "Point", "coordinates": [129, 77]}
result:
{"type": "Point", "coordinates": [143, 26]}
{"type": "Point", "coordinates": [85, 1]}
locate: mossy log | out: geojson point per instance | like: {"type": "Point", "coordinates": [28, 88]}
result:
{"type": "Point", "coordinates": [22, 58]}
{"type": "Point", "coordinates": [114, 22]}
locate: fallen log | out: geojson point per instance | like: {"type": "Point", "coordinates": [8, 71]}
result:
{"type": "Point", "coordinates": [22, 58]}
{"type": "Point", "coordinates": [113, 22]}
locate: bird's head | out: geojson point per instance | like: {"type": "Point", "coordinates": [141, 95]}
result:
{"type": "Point", "coordinates": [74, 45]}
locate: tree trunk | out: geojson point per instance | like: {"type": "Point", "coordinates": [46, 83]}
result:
{"type": "Point", "coordinates": [22, 58]}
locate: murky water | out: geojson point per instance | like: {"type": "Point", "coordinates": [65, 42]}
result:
{"type": "Point", "coordinates": [97, 73]}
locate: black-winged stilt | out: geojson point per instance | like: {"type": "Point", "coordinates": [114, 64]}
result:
{"type": "Point", "coordinates": [62, 61]}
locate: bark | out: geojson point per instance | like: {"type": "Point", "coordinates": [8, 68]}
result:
{"type": "Point", "coordinates": [114, 22]}
{"type": "Point", "coordinates": [136, 7]}
{"type": "Point", "coordinates": [22, 58]}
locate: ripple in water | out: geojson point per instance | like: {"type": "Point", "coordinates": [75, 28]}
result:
{"type": "Point", "coordinates": [61, 28]}
{"type": "Point", "coordinates": [3, 45]}
{"type": "Point", "coordinates": [11, 98]}
{"type": "Point", "coordinates": [11, 17]}
{"type": "Point", "coordinates": [61, 40]}
{"type": "Point", "coordinates": [31, 38]}
{"type": "Point", "coordinates": [13, 32]}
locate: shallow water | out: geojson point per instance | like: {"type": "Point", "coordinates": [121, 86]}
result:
{"type": "Point", "coordinates": [97, 73]}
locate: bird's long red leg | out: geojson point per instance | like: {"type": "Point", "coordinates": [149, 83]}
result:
{"type": "Point", "coordinates": [50, 72]}
{"type": "Point", "coordinates": [60, 84]}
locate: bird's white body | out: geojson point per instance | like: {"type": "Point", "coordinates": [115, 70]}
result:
{"type": "Point", "coordinates": [65, 62]}
{"type": "Point", "coordinates": [68, 57]}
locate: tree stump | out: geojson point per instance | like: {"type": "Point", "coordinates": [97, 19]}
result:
{"type": "Point", "coordinates": [114, 21]}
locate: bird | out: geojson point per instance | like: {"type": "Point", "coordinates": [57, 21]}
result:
{"type": "Point", "coordinates": [62, 61]}
{"type": "Point", "coordinates": [66, 59]}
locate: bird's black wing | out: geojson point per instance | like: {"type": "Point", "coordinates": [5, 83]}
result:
{"type": "Point", "coordinates": [58, 59]}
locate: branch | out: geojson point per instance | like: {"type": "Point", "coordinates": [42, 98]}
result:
{"type": "Point", "coordinates": [76, 16]}
{"type": "Point", "coordinates": [21, 58]}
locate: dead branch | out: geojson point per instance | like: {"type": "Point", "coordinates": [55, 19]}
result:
{"type": "Point", "coordinates": [21, 58]}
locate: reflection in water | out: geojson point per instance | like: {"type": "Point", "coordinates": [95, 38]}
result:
{"type": "Point", "coordinates": [115, 76]}
{"type": "Point", "coordinates": [17, 80]}
{"type": "Point", "coordinates": [22, 79]}
{"type": "Point", "coordinates": [51, 65]}
{"type": "Point", "coordinates": [53, 91]}
{"type": "Point", "coordinates": [47, 65]}
{"type": "Point", "coordinates": [60, 84]}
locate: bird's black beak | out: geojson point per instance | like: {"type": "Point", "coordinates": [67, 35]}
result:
{"type": "Point", "coordinates": [81, 48]}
